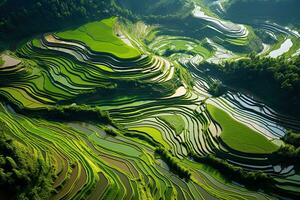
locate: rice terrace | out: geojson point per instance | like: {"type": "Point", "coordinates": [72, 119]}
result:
{"type": "Point", "coordinates": [149, 99]}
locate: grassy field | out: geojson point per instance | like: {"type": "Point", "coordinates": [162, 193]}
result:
{"type": "Point", "coordinates": [99, 36]}
{"type": "Point", "coordinates": [175, 122]}
{"type": "Point", "coordinates": [238, 136]}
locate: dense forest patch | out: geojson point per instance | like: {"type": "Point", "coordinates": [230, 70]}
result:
{"type": "Point", "coordinates": [284, 11]}
{"type": "Point", "coordinates": [22, 175]}
{"type": "Point", "coordinates": [275, 80]}
{"type": "Point", "coordinates": [20, 18]}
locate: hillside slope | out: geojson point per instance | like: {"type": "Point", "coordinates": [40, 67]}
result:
{"type": "Point", "coordinates": [20, 18]}
{"type": "Point", "coordinates": [282, 11]}
{"type": "Point", "coordinates": [158, 7]}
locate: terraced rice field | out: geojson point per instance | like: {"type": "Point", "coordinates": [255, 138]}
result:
{"type": "Point", "coordinates": [154, 104]}
{"type": "Point", "coordinates": [234, 134]}
{"type": "Point", "coordinates": [98, 37]}
{"type": "Point", "coordinates": [217, 40]}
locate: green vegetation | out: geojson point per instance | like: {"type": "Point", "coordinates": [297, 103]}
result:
{"type": "Point", "coordinates": [153, 133]}
{"type": "Point", "coordinates": [292, 138]}
{"type": "Point", "coordinates": [284, 11]}
{"type": "Point", "coordinates": [173, 163]}
{"type": "Point", "coordinates": [265, 37]}
{"type": "Point", "coordinates": [254, 180]}
{"type": "Point", "coordinates": [120, 108]}
{"type": "Point", "coordinates": [217, 89]}
{"type": "Point", "coordinates": [175, 122]}
{"type": "Point", "coordinates": [238, 136]}
{"type": "Point", "coordinates": [1, 61]}
{"type": "Point", "coordinates": [280, 78]}
{"type": "Point", "coordinates": [288, 155]}
{"type": "Point", "coordinates": [22, 176]}
{"type": "Point", "coordinates": [157, 8]}
{"type": "Point", "coordinates": [28, 18]}
{"type": "Point", "coordinates": [99, 37]}
{"type": "Point", "coordinates": [111, 131]}
{"type": "Point", "coordinates": [70, 113]}
{"type": "Point", "coordinates": [74, 113]}
{"type": "Point", "coordinates": [167, 45]}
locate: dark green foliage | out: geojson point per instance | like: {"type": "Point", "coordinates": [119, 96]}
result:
{"type": "Point", "coordinates": [158, 7]}
{"type": "Point", "coordinates": [288, 155]}
{"type": "Point", "coordinates": [292, 138]}
{"type": "Point", "coordinates": [75, 113]}
{"type": "Point", "coordinates": [265, 37]}
{"type": "Point", "coordinates": [141, 136]}
{"type": "Point", "coordinates": [19, 18]}
{"type": "Point", "coordinates": [22, 176]}
{"type": "Point", "coordinates": [183, 74]}
{"type": "Point", "coordinates": [275, 80]}
{"type": "Point", "coordinates": [111, 131]}
{"type": "Point", "coordinates": [154, 11]}
{"type": "Point", "coordinates": [169, 52]}
{"type": "Point", "coordinates": [283, 11]}
{"type": "Point", "coordinates": [253, 180]}
{"type": "Point", "coordinates": [67, 113]}
{"type": "Point", "coordinates": [217, 89]}
{"type": "Point", "coordinates": [173, 163]}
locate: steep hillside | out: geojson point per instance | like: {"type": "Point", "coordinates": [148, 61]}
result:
{"type": "Point", "coordinates": [148, 99]}
{"type": "Point", "coordinates": [19, 18]}
{"type": "Point", "coordinates": [158, 7]}
{"type": "Point", "coordinates": [283, 11]}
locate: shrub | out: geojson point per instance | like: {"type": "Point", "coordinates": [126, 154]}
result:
{"type": "Point", "coordinates": [72, 113]}
{"type": "Point", "coordinates": [173, 163]}
{"type": "Point", "coordinates": [111, 131]}
{"type": "Point", "coordinates": [292, 138]}
{"type": "Point", "coordinates": [254, 180]}
{"type": "Point", "coordinates": [288, 155]}
{"type": "Point", "coordinates": [217, 89]}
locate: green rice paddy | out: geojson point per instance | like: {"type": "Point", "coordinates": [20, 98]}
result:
{"type": "Point", "coordinates": [175, 122]}
{"type": "Point", "coordinates": [154, 133]}
{"type": "Point", "coordinates": [238, 136]}
{"type": "Point", "coordinates": [99, 37]}
{"type": "Point", "coordinates": [153, 102]}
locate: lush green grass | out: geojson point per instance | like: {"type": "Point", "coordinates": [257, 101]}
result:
{"type": "Point", "coordinates": [99, 36]}
{"type": "Point", "coordinates": [238, 136]}
{"type": "Point", "coordinates": [175, 122]}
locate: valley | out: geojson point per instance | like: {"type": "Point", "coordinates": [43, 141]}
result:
{"type": "Point", "coordinates": [155, 105]}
